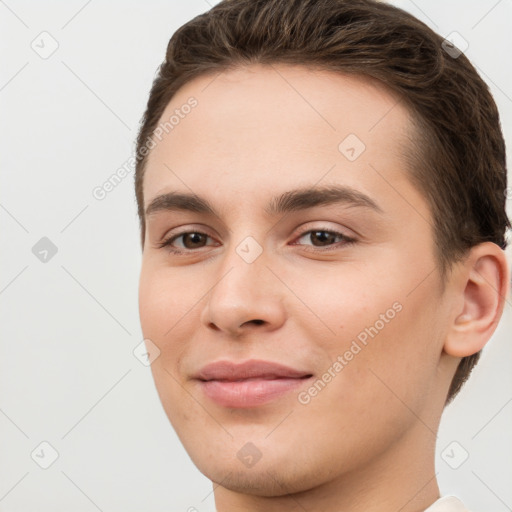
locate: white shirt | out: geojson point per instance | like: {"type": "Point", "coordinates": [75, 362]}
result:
{"type": "Point", "coordinates": [447, 504]}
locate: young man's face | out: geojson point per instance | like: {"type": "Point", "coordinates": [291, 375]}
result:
{"type": "Point", "coordinates": [346, 292]}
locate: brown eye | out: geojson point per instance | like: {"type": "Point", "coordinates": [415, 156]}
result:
{"type": "Point", "coordinates": [193, 240]}
{"type": "Point", "coordinates": [188, 241]}
{"type": "Point", "coordinates": [323, 240]}
{"type": "Point", "coordinates": [321, 237]}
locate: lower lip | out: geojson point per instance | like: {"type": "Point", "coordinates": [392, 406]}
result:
{"type": "Point", "coordinates": [249, 393]}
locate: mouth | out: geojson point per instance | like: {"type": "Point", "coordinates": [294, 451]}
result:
{"type": "Point", "coordinates": [249, 384]}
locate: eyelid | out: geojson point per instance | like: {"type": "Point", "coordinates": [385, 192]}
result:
{"type": "Point", "coordinates": [186, 228]}
{"type": "Point", "coordinates": [337, 230]}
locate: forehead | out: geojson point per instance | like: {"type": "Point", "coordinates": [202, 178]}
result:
{"type": "Point", "coordinates": [262, 128]}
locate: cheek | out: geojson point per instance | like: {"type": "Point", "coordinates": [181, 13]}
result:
{"type": "Point", "coordinates": [164, 299]}
{"type": "Point", "coordinates": [370, 393]}
{"type": "Point", "coordinates": [384, 336]}
{"type": "Point", "coordinates": [168, 306]}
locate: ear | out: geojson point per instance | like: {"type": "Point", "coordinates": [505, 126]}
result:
{"type": "Point", "coordinates": [483, 286]}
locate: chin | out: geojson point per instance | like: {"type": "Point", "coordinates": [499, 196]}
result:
{"type": "Point", "coordinates": [265, 481]}
{"type": "Point", "coordinates": [271, 476]}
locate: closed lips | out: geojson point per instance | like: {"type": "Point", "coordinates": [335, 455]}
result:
{"type": "Point", "coordinates": [249, 384]}
{"type": "Point", "coordinates": [249, 370]}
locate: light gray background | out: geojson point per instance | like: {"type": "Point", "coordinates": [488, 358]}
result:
{"type": "Point", "coordinates": [67, 372]}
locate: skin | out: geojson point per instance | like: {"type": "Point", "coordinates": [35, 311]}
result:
{"type": "Point", "coordinates": [366, 442]}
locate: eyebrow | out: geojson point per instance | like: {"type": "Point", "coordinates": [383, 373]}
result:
{"type": "Point", "coordinates": [292, 200]}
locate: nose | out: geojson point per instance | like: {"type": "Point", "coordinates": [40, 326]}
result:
{"type": "Point", "coordinates": [244, 297]}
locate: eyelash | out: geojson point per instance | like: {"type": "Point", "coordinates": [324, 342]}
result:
{"type": "Point", "coordinates": [346, 241]}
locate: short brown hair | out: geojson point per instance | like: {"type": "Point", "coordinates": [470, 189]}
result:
{"type": "Point", "coordinates": [458, 157]}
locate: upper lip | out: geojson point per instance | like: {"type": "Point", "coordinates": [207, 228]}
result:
{"type": "Point", "coordinates": [230, 371]}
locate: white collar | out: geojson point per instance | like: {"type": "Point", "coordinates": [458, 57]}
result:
{"type": "Point", "coordinates": [447, 504]}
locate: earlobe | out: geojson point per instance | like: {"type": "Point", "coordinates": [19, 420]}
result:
{"type": "Point", "coordinates": [485, 277]}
